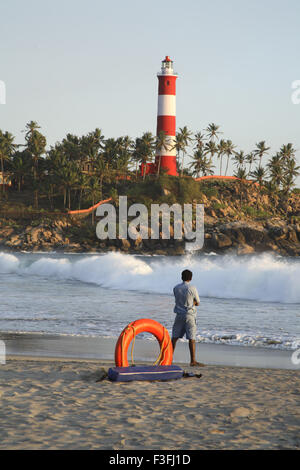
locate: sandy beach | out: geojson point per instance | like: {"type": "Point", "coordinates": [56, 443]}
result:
{"type": "Point", "coordinates": [55, 403]}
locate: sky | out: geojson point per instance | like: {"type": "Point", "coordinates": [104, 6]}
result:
{"type": "Point", "coordinates": [76, 65]}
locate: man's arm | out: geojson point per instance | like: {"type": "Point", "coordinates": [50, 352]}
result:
{"type": "Point", "coordinates": [196, 298]}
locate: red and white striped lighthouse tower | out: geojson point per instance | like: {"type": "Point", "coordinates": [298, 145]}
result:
{"type": "Point", "coordinates": [166, 116]}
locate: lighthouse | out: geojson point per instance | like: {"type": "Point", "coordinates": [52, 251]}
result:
{"type": "Point", "coordinates": [165, 157]}
{"type": "Point", "coordinates": [166, 117]}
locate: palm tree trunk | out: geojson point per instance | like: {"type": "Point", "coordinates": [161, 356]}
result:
{"type": "Point", "coordinates": [181, 173]}
{"type": "Point", "coordinates": [2, 172]}
{"type": "Point", "coordinates": [258, 197]}
{"type": "Point", "coordinates": [93, 212]}
{"type": "Point", "coordinates": [36, 199]}
{"type": "Point", "coordinates": [227, 165]}
{"type": "Point", "coordinates": [101, 185]}
{"type": "Point", "coordinates": [241, 195]}
{"type": "Point", "coordinates": [158, 167]}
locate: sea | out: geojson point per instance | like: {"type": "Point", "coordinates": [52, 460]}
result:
{"type": "Point", "coordinates": [251, 300]}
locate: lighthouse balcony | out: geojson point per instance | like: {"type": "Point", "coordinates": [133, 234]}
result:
{"type": "Point", "coordinates": [167, 72]}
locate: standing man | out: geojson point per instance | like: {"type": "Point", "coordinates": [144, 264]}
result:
{"type": "Point", "coordinates": [186, 300]}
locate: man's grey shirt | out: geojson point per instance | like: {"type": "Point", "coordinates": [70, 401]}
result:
{"type": "Point", "coordinates": [185, 294]}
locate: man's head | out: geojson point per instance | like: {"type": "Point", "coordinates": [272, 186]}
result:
{"type": "Point", "coordinates": [186, 275]}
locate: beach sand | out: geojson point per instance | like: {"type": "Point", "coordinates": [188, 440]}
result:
{"type": "Point", "coordinates": [53, 403]}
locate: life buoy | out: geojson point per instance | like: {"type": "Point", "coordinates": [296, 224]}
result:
{"type": "Point", "coordinates": [140, 326]}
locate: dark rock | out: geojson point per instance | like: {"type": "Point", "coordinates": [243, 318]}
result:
{"type": "Point", "coordinates": [219, 240]}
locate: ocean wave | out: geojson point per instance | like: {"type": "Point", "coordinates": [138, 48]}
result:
{"type": "Point", "coordinates": [264, 277]}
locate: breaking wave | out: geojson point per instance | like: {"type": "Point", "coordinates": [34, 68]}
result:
{"type": "Point", "coordinates": [263, 277]}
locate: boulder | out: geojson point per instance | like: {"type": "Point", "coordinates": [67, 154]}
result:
{"type": "Point", "coordinates": [14, 241]}
{"type": "Point", "coordinates": [125, 244]}
{"type": "Point", "coordinates": [278, 232]}
{"type": "Point", "coordinates": [220, 240]}
{"type": "Point", "coordinates": [6, 232]}
{"type": "Point", "coordinates": [244, 249]}
{"type": "Point", "coordinates": [289, 248]}
{"type": "Point", "coordinates": [292, 235]}
{"type": "Point", "coordinates": [35, 234]}
{"type": "Point", "coordinates": [138, 242]}
{"type": "Point", "coordinates": [253, 234]}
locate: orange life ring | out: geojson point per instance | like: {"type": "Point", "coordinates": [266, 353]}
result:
{"type": "Point", "coordinates": [140, 326]}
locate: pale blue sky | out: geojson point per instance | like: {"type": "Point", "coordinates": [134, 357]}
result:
{"type": "Point", "coordinates": [76, 65]}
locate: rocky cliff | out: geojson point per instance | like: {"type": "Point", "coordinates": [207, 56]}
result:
{"type": "Point", "coordinates": [240, 237]}
{"type": "Point", "coordinates": [253, 223]}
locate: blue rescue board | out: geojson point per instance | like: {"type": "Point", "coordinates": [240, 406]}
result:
{"type": "Point", "coordinates": [127, 374]}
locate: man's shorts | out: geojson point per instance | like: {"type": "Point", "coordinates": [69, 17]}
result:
{"type": "Point", "coordinates": [184, 325]}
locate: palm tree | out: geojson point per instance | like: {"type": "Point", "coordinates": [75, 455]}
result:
{"type": "Point", "coordinates": [276, 172]}
{"type": "Point", "coordinates": [81, 184]}
{"type": "Point", "coordinates": [136, 156]}
{"type": "Point", "coordinates": [36, 144]}
{"type": "Point", "coordinates": [179, 146]}
{"type": "Point", "coordinates": [102, 171]}
{"type": "Point", "coordinates": [229, 149]}
{"type": "Point", "coordinates": [125, 155]}
{"type": "Point", "coordinates": [213, 131]}
{"type": "Point", "coordinates": [7, 147]}
{"type": "Point", "coordinates": [92, 190]}
{"type": "Point", "coordinates": [287, 151]}
{"type": "Point", "coordinates": [250, 158]}
{"type": "Point", "coordinates": [241, 174]}
{"type": "Point", "coordinates": [55, 161]}
{"type": "Point", "coordinates": [111, 151]}
{"type": "Point", "coordinates": [259, 174]}
{"type": "Point", "coordinates": [184, 136]}
{"type": "Point", "coordinates": [206, 167]}
{"type": "Point", "coordinates": [260, 150]}
{"type": "Point", "coordinates": [144, 148]}
{"type": "Point", "coordinates": [74, 148]}
{"type": "Point", "coordinates": [211, 148]}
{"type": "Point", "coordinates": [239, 159]}
{"type": "Point", "coordinates": [66, 177]}
{"type": "Point", "coordinates": [291, 171]}
{"type": "Point", "coordinates": [196, 163]}
{"type": "Point", "coordinates": [90, 146]}
{"type": "Point", "coordinates": [19, 167]}
{"type": "Point", "coordinates": [221, 152]}
{"type": "Point", "coordinates": [199, 139]}
{"type": "Point", "coordinates": [287, 154]}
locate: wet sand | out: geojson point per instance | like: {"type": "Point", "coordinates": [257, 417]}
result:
{"type": "Point", "coordinates": [99, 348]}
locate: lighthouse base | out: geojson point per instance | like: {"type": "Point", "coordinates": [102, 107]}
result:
{"type": "Point", "coordinates": [148, 169]}
{"type": "Point", "coordinates": [168, 167]}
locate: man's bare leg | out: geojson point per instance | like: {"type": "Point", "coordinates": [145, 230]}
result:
{"type": "Point", "coordinates": [192, 346]}
{"type": "Point", "coordinates": [174, 341]}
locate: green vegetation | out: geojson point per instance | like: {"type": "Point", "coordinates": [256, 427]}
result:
{"type": "Point", "coordinates": [79, 171]}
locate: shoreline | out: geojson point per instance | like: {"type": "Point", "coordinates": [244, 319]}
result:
{"type": "Point", "coordinates": [92, 348]}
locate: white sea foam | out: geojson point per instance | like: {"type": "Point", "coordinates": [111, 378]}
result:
{"type": "Point", "coordinates": [262, 277]}
{"type": "Point", "coordinates": [8, 263]}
